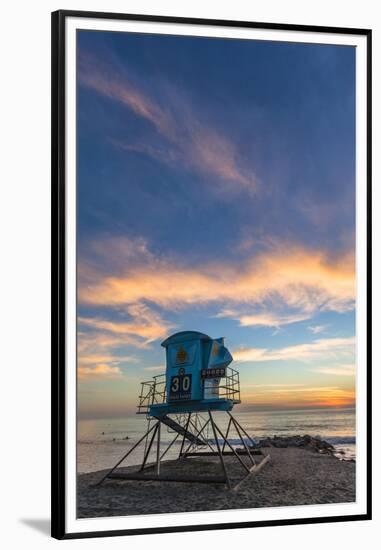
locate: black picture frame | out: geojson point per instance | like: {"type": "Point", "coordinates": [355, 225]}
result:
{"type": "Point", "coordinates": [58, 248]}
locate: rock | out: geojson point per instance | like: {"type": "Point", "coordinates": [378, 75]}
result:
{"type": "Point", "coordinates": [314, 444]}
{"type": "Point", "coordinates": [265, 443]}
{"type": "Point", "coordinates": [281, 444]}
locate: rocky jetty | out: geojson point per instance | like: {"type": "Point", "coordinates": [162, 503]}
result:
{"type": "Point", "coordinates": [308, 442]}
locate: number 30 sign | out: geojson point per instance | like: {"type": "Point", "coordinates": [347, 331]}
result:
{"type": "Point", "coordinates": [180, 388]}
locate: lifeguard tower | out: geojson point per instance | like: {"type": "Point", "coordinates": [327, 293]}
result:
{"type": "Point", "coordinates": [198, 381]}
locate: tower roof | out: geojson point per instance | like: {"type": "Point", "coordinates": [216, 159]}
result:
{"type": "Point", "coordinates": [184, 336]}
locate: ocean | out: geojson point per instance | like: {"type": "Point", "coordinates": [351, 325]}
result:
{"type": "Point", "coordinates": [102, 442]}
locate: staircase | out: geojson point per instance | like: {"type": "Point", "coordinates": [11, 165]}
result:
{"type": "Point", "coordinates": [173, 425]}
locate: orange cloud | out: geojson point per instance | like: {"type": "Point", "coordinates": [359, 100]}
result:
{"type": "Point", "coordinates": [101, 343]}
{"type": "Point", "coordinates": [273, 385]}
{"type": "Point", "coordinates": [98, 372]}
{"type": "Point", "coordinates": [302, 279]}
{"type": "Point", "coordinates": [144, 327]}
{"type": "Point", "coordinates": [96, 359]}
{"type": "Point", "coordinates": [96, 356]}
{"type": "Point", "coordinates": [149, 333]}
{"type": "Point", "coordinates": [92, 359]}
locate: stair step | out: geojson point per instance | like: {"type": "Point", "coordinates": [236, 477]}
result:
{"type": "Point", "coordinates": [180, 429]}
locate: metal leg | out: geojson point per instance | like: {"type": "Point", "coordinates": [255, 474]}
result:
{"type": "Point", "coordinates": [227, 433]}
{"type": "Point", "coordinates": [219, 450]}
{"type": "Point", "coordinates": [197, 435]}
{"type": "Point", "coordinates": [203, 438]}
{"type": "Point", "coordinates": [158, 450]}
{"type": "Point", "coordinates": [169, 446]}
{"type": "Point", "coordinates": [155, 430]}
{"type": "Point", "coordinates": [186, 429]}
{"type": "Point", "coordinates": [146, 441]}
{"type": "Point", "coordinates": [243, 442]}
{"type": "Point", "coordinates": [232, 449]}
{"type": "Point", "coordinates": [243, 430]}
{"type": "Point", "coordinates": [149, 446]}
{"type": "Point", "coordinates": [126, 455]}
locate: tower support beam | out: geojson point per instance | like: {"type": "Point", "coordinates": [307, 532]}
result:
{"type": "Point", "coordinates": [154, 431]}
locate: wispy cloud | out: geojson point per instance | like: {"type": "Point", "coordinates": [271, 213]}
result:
{"type": "Point", "coordinates": [115, 85]}
{"type": "Point", "coordinates": [247, 386]}
{"type": "Point", "coordinates": [100, 343]}
{"type": "Point", "coordinates": [93, 359]}
{"type": "Point", "coordinates": [338, 370]}
{"type": "Point", "coordinates": [188, 141]}
{"type": "Point", "coordinates": [265, 319]}
{"type": "Point", "coordinates": [332, 348]}
{"type": "Point", "coordinates": [146, 324]}
{"type": "Point", "coordinates": [99, 372]}
{"type": "Point", "coordinates": [317, 329]}
{"type": "Point", "coordinates": [100, 340]}
{"type": "Point", "coordinates": [317, 389]}
{"type": "Point", "coordinates": [99, 257]}
{"type": "Point", "coordinates": [97, 358]}
{"type": "Point", "coordinates": [303, 280]}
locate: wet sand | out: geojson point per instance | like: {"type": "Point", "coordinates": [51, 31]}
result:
{"type": "Point", "coordinates": [293, 476]}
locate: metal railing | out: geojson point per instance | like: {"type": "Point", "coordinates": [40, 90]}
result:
{"type": "Point", "coordinates": [229, 386]}
{"type": "Point", "coordinates": [152, 391]}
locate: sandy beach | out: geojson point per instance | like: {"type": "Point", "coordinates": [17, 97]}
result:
{"type": "Point", "coordinates": [293, 476]}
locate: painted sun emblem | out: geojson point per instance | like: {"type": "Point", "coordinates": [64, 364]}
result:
{"type": "Point", "coordinates": [182, 355]}
{"type": "Point", "coordinates": [216, 349]}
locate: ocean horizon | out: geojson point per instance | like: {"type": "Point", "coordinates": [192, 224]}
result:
{"type": "Point", "coordinates": [101, 442]}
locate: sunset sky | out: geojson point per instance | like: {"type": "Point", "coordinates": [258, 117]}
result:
{"type": "Point", "coordinates": [216, 192]}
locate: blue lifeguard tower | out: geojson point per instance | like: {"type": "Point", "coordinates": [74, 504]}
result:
{"type": "Point", "coordinates": [196, 365]}
{"type": "Point", "coordinates": [197, 382]}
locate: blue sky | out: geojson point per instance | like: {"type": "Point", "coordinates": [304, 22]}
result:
{"type": "Point", "coordinates": [216, 187]}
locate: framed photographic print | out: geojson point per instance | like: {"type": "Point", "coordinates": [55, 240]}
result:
{"type": "Point", "coordinates": [211, 274]}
